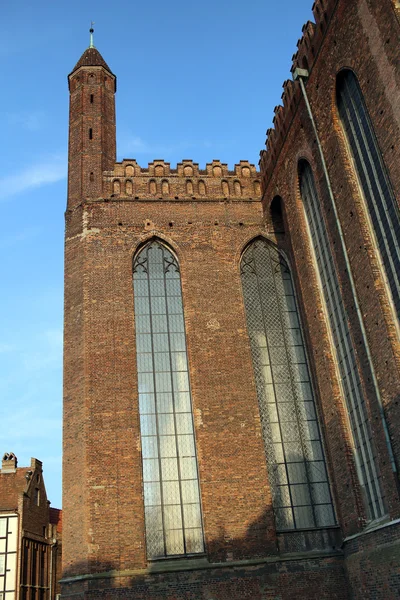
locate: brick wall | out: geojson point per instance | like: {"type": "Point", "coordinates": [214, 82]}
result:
{"type": "Point", "coordinates": [207, 216]}
{"type": "Point", "coordinates": [208, 237]}
{"type": "Point", "coordinates": [314, 579]}
{"type": "Point", "coordinates": [372, 563]}
{"type": "Point", "coordinates": [361, 35]}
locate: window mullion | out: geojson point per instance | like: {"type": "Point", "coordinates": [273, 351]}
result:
{"type": "Point", "coordinates": [173, 409]}
{"type": "Point", "coordinates": [373, 205]}
{"type": "Point", "coordinates": [170, 463]}
{"type": "Point", "coordinates": [278, 396]}
{"type": "Point", "coordinates": [274, 388]}
{"type": "Point", "coordinates": [155, 402]}
{"type": "Point", "coordinates": [331, 283]}
{"type": "Point", "coordinates": [344, 349]}
{"type": "Point", "coordinates": [292, 384]}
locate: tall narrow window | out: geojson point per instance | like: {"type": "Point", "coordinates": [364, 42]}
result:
{"type": "Point", "coordinates": [295, 457]}
{"type": "Point", "coordinates": [170, 476]}
{"type": "Point", "coordinates": [373, 178]}
{"type": "Point", "coordinates": [345, 356]}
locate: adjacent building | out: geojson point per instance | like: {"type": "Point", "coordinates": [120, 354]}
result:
{"type": "Point", "coordinates": [30, 534]}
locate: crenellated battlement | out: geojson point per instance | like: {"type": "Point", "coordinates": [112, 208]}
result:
{"type": "Point", "coordinates": [187, 180]}
{"type": "Point", "coordinates": [281, 123]}
{"type": "Point", "coordinates": [307, 50]}
{"type": "Point", "coordinates": [313, 34]}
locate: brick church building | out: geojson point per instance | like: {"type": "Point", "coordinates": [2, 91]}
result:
{"type": "Point", "coordinates": [232, 342]}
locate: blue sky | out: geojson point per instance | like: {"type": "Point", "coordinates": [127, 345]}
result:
{"type": "Point", "coordinates": [195, 80]}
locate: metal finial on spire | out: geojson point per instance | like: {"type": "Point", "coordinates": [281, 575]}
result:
{"type": "Point", "coordinates": [91, 30]}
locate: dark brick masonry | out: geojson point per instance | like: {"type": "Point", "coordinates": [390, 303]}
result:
{"type": "Point", "coordinates": [207, 217]}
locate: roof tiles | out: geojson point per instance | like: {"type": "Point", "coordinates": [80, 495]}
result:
{"type": "Point", "coordinates": [91, 58]}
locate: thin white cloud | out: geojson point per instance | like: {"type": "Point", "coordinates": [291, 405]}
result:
{"type": "Point", "coordinates": [43, 173]}
{"type": "Point", "coordinates": [47, 353]}
{"type": "Point", "coordinates": [6, 348]}
{"type": "Point", "coordinates": [29, 360]}
{"type": "Point", "coordinates": [19, 237]}
{"type": "Point", "coordinates": [18, 426]}
{"type": "Point", "coordinates": [54, 338]}
{"type": "Point", "coordinates": [31, 121]}
{"type": "Point", "coordinates": [131, 145]}
{"type": "Point", "coordinates": [135, 144]}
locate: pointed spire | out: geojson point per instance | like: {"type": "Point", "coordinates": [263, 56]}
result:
{"type": "Point", "coordinates": [91, 30]}
{"type": "Point", "coordinates": [91, 57]}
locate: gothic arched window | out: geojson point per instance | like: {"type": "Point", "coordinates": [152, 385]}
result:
{"type": "Point", "coordinates": [365, 456]}
{"type": "Point", "coordinates": [292, 440]}
{"type": "Point", "coordinates": [170, 475]}
{"type": "Point", "coordinates": [372, 176]}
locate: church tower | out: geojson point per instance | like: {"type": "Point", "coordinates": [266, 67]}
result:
{"type": "Point", "coordinates": [91, 150]}
{"type": "Point", "coordinates": [92, 145]}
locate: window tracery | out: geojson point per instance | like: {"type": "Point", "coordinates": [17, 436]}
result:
{"type": "Point", "coordinates": [170, 477]}
{"type": "Point", "coordinates": [364, 451]}
{"type": "Point", "coordinates": [292, 440]}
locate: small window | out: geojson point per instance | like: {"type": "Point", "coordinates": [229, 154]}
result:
{"type": "Point", "coordinates": [90, 134]}
{"type": "Point", "coordinates": [277, 215]}
{"type": "Point", "coordinates": [36, 497]}
{"type": "Point", "coordinates": [91, 98]}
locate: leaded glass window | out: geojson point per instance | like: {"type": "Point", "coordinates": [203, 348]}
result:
{"type": "Point", "coordinates": [170, 476]}
{"type": "Point", "coordinates": [295, 457]}
{"type": "Point", "coordinates": [373, 178]}
{"type": "Point", "coordinates": [365, 454]}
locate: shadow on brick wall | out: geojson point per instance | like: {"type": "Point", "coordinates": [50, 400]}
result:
{"type": "Point", "coordinates": [232, 568]}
